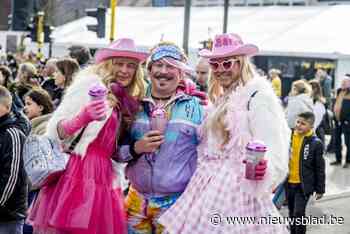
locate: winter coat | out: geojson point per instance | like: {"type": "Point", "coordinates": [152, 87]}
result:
{"type": "Point", "coordinates": [297, 105]}
{"type": "Point", "coordinates": [39, 124]}
{"type": "Point", "coordinates": [13, 183]}
{"type": "Point", "coordinates": [312, 166]}
{"type": "Point", "coordinates": [169, 170]}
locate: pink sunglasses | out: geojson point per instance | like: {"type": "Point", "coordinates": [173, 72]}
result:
{"type": "Point", "coordinates": [226, 64]}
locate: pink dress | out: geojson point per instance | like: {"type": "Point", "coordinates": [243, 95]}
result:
{"type": "Point", "coordinates": [219, 199]}
{"type": "Point", "coordinates": [84, 201]}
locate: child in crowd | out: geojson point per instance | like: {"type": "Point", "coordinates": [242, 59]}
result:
{"type": "Point", "coordinates": [38, 108]}
{"type": "Point", "coordinates": [13, 186]}
{"type": "Point", "coordinates": [306, 169]}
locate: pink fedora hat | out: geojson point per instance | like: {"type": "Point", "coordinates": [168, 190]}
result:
{"type": "Point", "coordinates": [123, 47]}
{"type": "Point", "coordinates": [225, 45]}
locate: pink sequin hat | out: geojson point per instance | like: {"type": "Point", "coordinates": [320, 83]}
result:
{"type": "Point", "coordinates": [123, 47]}
{"type": "Point", "coordinates": [226, 45]}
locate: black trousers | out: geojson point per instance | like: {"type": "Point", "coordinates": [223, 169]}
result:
{"type": "Point", "coordinates": [337, 141]}
{"type": "Point", "coordinates": [338, 144]}
{"type": "Point", "coordinates": [297, 202]}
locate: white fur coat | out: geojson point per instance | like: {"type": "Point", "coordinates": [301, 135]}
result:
{"type": "Point", "coordinates": [268, 122]}
{"type": "Point", "coordinates": [75, 98]}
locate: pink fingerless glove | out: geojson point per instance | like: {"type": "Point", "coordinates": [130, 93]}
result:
{"type": "Point", "coordinates": [94, 110]}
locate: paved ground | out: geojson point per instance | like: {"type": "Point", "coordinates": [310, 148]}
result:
{"type": "Point", "coordinates": [336, 201]}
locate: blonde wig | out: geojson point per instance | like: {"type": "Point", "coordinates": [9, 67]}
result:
{"type": "Point", "coordinates": [137, 87]}
{"type": "Point", "coordinates": [216, 122]}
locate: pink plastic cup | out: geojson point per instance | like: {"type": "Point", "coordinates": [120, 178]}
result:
{"type": "Point", "coordinates": [98, 92]}
{"type": "Point", "coordinates": [159, 120]}
{"type": "Point", "coordinates": [255, 152]}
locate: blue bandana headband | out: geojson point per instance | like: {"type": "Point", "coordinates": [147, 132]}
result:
{"type": "Point", "coordinates": [166, 51]}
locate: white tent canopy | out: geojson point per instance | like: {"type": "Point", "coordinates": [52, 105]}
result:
{"type": "Point", "coordinates": [320, 31]}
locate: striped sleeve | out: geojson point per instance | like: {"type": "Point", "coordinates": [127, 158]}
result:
{"type": "Point", "coordinates": [13, 158]}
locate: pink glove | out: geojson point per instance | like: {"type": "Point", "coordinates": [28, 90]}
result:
{"type": "Point", "coordinates": [260, 169]}
{"type": "Point", "coordinates": [128, 105]}
{"type": "Point", "coordinates": [188, 87]}
{"type": "Point", "coordinates": [94, 110]}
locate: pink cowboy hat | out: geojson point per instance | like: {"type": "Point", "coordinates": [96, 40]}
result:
{"type": "Point", "coordinates": [123, 47]}
{"type": "Point", "coordinates": [226, 45]}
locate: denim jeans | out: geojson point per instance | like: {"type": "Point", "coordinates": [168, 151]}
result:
{"type": "Point", "coordinates": [15, 227]}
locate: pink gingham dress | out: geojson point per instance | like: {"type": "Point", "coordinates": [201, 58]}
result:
{"type": "Point", "coordinates": [219, 188]}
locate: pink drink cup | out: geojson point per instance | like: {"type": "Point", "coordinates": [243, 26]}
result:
{"type": "Point", "coordinates": [98, 92]}
{"type": "Point", "coordinates": [255, 153]}
{"type": "Point", "coordinates": [159, 120]}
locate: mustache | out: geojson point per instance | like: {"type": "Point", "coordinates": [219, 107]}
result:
{"type": "Point", "coordinates": [163, 76]}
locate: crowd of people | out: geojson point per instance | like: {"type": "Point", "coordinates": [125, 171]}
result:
{"type": "Point", "coordinates": [177, 175]}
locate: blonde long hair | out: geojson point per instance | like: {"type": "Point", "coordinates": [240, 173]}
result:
{"type": "Point", "coordinates": [137, 87]}
{"type": "Point", "coordinates": [301, 87]}
{"type": "Point", "coordinates": [216, 122]}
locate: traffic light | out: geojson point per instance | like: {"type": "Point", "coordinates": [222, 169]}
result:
{"type": "Point", "coordinates": [9, 21]}
{"type": "Point", "coordinates": [47, 33]}
{"type": "Point", "coordinates": [33, 28]}
{"type": "Point", "coordinates": [207, 44]}
{"type": "Point", "coordinates": [100, 14]}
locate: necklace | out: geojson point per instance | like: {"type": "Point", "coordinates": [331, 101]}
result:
{"type": "Point", "coordinates": [161, 98]}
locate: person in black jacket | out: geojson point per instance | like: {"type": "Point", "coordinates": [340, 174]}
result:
{"type": "Point", "coordinates": [13, 183]}
{"type": "Point", "coordinates": [342, 115]}
{"type": "Point", "coordinates": [306, 170]}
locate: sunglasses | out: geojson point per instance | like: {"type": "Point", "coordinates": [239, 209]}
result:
{"type": "Point", "coordinates": [226, 64]}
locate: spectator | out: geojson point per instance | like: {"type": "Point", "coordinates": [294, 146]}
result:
{"type": "Point", "coordinates": [202, 71]}
{"type": "Point", "coordinates": [5, 76]}
{"type": "Point", "coordinates": [319, 109]}
{"type": "Point", "coordinates": [274, 75]}
{"type": "Point", "coordinates": [326, 84]}
{"type": "Point", "coordinates": [12, 64]}
{"type": "Point", "coordinates": [66, 69]}
{"type": "Point", "coordinates": [299, 101]}
{"type": "Point", "coordinates": [6, 81]}
{"type": "Point", "coordinates": [342, 115]}
{"type": "Point", "coordinates": [48, 74]}
{"type": "Point", "coordinates": [26, 79]}
{"type": "Point", "coordinates": [306, 157]}
{"type": "Point", "coordinates": [13, 185]}
{"type": "Point", "coordinates": [38, 108]}
{"type": "Point", "coordinates": [81, 54]}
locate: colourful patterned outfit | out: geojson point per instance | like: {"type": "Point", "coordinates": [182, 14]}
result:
{"type": "Point", "coordinates": [143, 212]}
{"type": "Point", "coordinates": [219, 186]}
